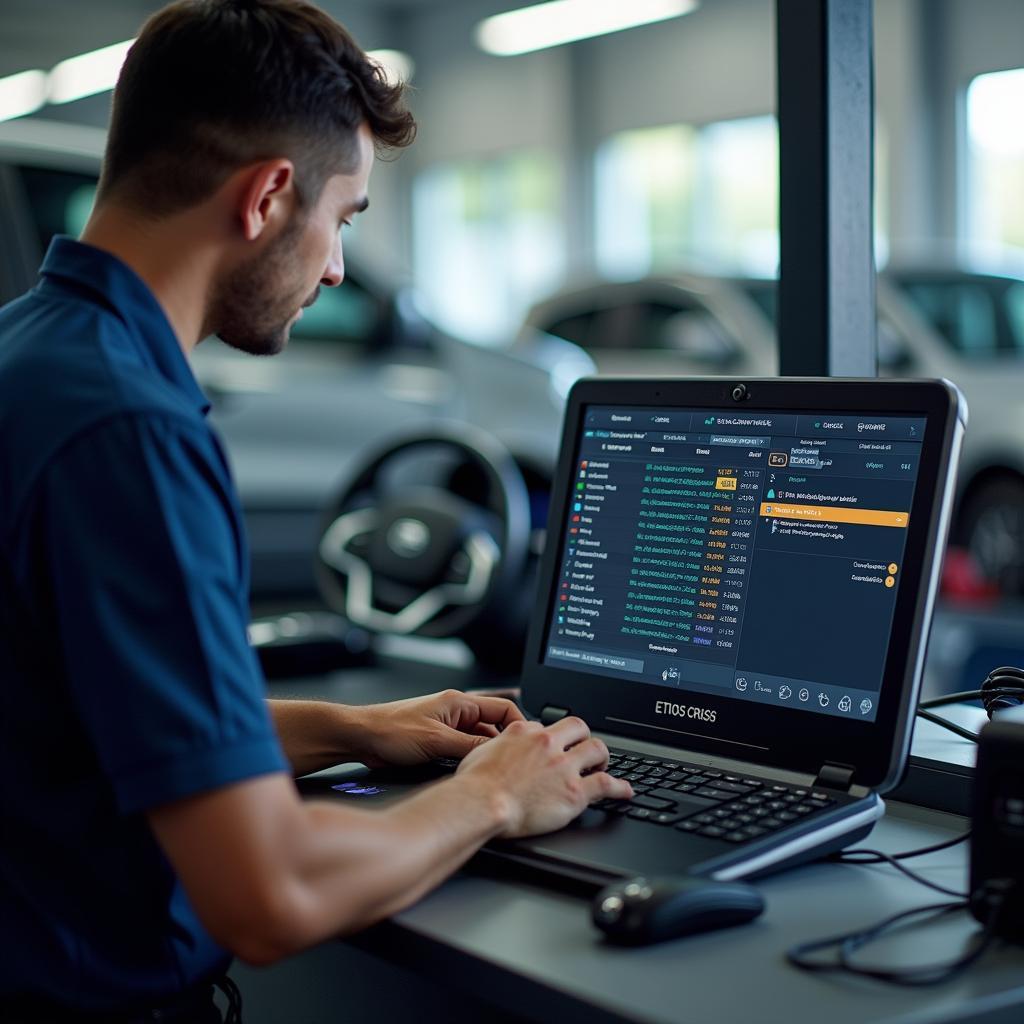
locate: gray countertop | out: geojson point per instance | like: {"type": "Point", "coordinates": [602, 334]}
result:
{"type": "Point", "coordinates": [534, 953]}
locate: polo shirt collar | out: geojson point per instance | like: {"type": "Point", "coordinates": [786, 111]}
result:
{"type": "Point", "coordinates": [118, 287]}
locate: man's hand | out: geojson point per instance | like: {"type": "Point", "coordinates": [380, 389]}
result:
{"type": "Point", "coordinates": [318, 734]}
{"type": "Point", "coordinates": [269, 875]}
{"type": "Point", "coordinates": [547, 776]}
{"type": "Point", "coordinates": [447, 724]}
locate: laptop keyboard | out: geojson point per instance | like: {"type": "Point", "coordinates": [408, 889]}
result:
{"type": "Point", "coordinates": [707, 802]}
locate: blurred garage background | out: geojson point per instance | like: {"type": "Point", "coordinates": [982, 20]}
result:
{"type": "Point", "coordinates": [609, 204]}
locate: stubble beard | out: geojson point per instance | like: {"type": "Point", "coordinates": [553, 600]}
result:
{"type": "Point", "coordinates": [247, 310]}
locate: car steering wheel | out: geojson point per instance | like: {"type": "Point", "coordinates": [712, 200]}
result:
{"type": "Point", "coordinates": [427, 534]}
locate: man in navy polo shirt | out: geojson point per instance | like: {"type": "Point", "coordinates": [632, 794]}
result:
{"type": "Point", "coordinates": [151, 828]}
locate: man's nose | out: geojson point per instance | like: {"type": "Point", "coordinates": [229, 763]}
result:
{"type": "Point", "coordinates": [334, 272]}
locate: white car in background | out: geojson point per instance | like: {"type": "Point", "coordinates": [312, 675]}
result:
{"type": "Point", "coordinates": [933, 322]}
{"type": "Point", "coordinates": [363, 367]}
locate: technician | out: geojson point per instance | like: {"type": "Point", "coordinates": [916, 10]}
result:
{"type": "Point", "coordinates": [151, 829]}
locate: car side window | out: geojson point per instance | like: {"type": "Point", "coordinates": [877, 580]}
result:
{"type": "Point", "coordinates": [346, 315]}
{"type": "Point", "coordinates": [963, 313]}
{"type": "Point", "coordinates": [1014, 304]}
{"type": "Point", "coordinates": [688, 329]}
{"type": "Point", "coordinates": [895, 355]}
{"type": "Point", "coordinates": [59, 202]}
{"type": "Point", "coordinates": [577, 328]}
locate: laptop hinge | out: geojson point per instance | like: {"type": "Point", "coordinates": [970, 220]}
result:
{"type": "Point", "coordinates": [834, 776]}
{"type": "Point", "coordinates": [552, 714]}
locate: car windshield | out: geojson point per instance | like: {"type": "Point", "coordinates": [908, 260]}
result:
{"type": "Point", "coordinates": [343, 315]}
{"type": "Point", "coordinates": [977, 315]}
{"type": "Point", "coordinates": [59, 202]}
{"type": "Point", "coordinates": [765, 294]}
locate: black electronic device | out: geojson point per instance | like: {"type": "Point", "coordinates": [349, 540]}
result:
{"type": "Point", "coordinates": [642, 911]}
{"type": "Point", "coordinates": [997, 835]}
{"type": "Point", "coordinates": [734, 594]}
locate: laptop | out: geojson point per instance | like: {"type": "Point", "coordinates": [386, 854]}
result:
{"type": "Point", "coordinates": [735, 595]}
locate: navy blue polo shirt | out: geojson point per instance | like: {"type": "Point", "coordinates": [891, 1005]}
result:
{"type": "Point", "coordinates": [126, 678]}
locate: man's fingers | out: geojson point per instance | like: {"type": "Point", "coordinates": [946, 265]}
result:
{"type": "Point", "coordinates": [496, 710]}
{"type": "Point", "coordinates": [485, 729]}
{"type": "Point", "coordinates": [602, 786]}
{"type": "Point", "coordinates": [570, 731]}
{"type": "Point", "coordinates": [590, 754]}
{"type": "Point", "coordinates": [459, 744]}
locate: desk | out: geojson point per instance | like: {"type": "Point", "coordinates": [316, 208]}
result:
{"type": "Point", "coordinates": [534, 953]}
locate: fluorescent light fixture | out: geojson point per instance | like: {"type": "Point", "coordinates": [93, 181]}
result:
{"type": "Point", "coordinates": [565, 21]}
{"type": "Point", "coordinates": [398, 66]}
{"type": "Point", "coordinates": [88, 73]}
{"type": "Point", "coordinates": [22, 93]}
{"type": "Point", "coordinates": [994, 103]}
{"type": "Point", "coordinates": [97, 71]}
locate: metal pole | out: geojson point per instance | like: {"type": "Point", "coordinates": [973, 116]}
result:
{"type": "Point", "coordinates": [826, 143]}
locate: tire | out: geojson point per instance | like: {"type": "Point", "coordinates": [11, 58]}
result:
{"type": "Point", "coordinates": [993, 532]}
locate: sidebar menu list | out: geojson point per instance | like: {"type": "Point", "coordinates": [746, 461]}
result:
{"type": "Point", "coordinates": [657, 551]}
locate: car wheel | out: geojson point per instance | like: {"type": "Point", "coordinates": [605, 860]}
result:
{"type": "Point", "coordinates": [429, 538]}
{"type": "Point", "coordinates": [993, 531]}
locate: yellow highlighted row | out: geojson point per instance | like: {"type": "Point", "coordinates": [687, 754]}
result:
{"type": "Point", "coordinates": [835, 514]}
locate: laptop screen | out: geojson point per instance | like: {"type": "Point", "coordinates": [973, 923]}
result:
{"type": "Point", "coordinates": [714, 551]}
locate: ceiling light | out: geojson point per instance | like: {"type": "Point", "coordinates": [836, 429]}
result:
{"type": "Point", "coordinates": [398, 66]}
{"type": "Point", "coordinates": [88, 73]}
{"type": "Point", "coordinates": [565, 21]}
{"type": "Point", "coordinates": [22, 93]}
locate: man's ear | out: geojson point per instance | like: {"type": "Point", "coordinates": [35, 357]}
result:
{"type": "Point", "coordinates": [266, 197]}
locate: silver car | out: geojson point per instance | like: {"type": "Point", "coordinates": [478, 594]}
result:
{"type": "Point", "coordinates": [363, 367]}
{"type": "Point", "coordinates": [932, 322]}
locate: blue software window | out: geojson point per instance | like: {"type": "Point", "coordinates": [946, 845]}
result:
{"type": "Point", "coordinates": [757, 556]}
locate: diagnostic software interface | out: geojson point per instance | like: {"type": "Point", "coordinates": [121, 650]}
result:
{"type": "Point", "coordinates": [753, 555]}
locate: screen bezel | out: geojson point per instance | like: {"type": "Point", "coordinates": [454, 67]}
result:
{"type": "Point", "coordinates": [803, 741]}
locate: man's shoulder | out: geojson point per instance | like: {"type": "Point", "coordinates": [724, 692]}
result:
{"type": "Point", "coordinates": [67, 370]}
{"type": "Point", "coordinates": [66, 365]}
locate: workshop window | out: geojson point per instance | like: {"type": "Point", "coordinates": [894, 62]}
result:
{"type": "Point", "coordinates": [489, 240]}
{"type": "Point", "coordinates": [678, 194]}
{"type": "Point", "coordinates": [994, 197]}
{"type": "Point", "coordinates": [700, 197]}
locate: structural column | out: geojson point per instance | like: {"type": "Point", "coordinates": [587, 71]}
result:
{"type": "Point", "coordinates": [826, 318]}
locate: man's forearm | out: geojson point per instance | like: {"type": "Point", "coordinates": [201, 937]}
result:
{"type": "Point", "coordinates": [270, 875]}
{"type": "Point", "coordinates": [316, 734]}
{"type": "Point", "coordinates": [353, 877]}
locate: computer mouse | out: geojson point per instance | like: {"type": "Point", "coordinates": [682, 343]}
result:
{"type": "Point", "coordinates": [641, 910]}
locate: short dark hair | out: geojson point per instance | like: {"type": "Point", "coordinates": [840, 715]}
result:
{"type": "Point", "coordinates": [211, 85]}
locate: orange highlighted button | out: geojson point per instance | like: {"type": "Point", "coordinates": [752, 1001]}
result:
{"type": "Point", "coordinates": [835, 514]}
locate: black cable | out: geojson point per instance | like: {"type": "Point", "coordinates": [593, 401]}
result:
{"type": "Point", "coordinates": [966, 695]}
{"type": "Point", "coordinates": [879, 857]}
{"type": "Point", "coordinates": [866, 856]}
{"type": "Point", "coordinates": [924, 974]}
{"type": "Point", "coordinates": [1006, 677]}
{"type": "Point", "coordinates": [1003, 688]}
{"type": "Point", "coordinates": [947, 724]}
{"type": "Point", "coordinates": [907, 854]}
{"type": "Point", "coordinates": [994, 894]}
{"type": "Point", "coordinates": [233, 996]}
